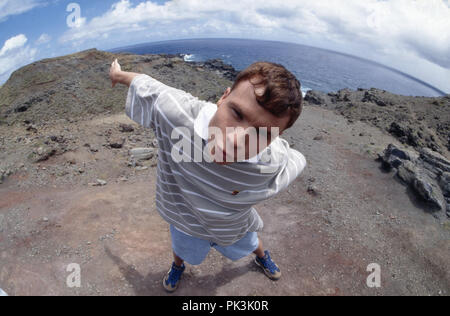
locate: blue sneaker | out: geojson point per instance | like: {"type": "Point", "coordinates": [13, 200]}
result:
{"type": "Point", "coordinates": [172, 278]}
{"type": "Point", "coordinates": [269, 267]}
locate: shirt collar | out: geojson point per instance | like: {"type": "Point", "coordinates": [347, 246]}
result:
{"type": "Point", "coordinates": [203, 119]}
{"type": "Point", "coordinates": [201, 125]}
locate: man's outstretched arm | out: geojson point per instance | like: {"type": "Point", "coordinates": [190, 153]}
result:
{"type": "Point", "coordinates": [148, 96]}
{"type": "Point", "coordinates": [118, 76]}
{"type": "Point", "coordinates": [143, 91]}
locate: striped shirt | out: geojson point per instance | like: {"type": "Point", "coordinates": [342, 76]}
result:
{"type": "Point", "coordinates": [206, 200]}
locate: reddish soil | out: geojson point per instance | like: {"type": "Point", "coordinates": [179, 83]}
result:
{"type": "Point", "coordinates": [323, 242]}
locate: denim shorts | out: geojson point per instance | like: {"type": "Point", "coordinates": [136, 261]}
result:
{"type": "Point", "coordinates": [194, 250]}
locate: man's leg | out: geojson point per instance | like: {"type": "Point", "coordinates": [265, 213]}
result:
{"type": "Point", "coordinates": [260, 250]}
{"type": "Point", "coordinates": [172, 278]}
{"type": "Point", "coordinates": [178, 260]}
{"type": "Point", "coordinates": [266, 263]}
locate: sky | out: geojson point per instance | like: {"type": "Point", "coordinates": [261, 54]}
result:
{"type": "Point", "coordinates": [412, 36]}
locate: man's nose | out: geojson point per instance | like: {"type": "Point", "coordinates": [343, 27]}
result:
{"type": "Point", "coordinates": [233, 139]}
{"type": "Point", "coordinates": [236, 139]}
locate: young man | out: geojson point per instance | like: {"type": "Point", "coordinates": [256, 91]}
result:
{"type": "Point", "coordinates": [208, 202]}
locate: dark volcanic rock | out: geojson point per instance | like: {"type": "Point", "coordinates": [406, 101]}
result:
{"type": "Point", "coordinates": [435, 160]}
{"type": "Point", "coordinates": [429, 191]}
{"type": "Point", "coordinates": [371, 97]}
{"type": "Point", "coordinates": [4, 175]}
{"type": "Point", "coordinates": [126, 128]}
{"type": "Point", "coordinates": [77, 85]}
{"type": "Point", "coordinates": [420, 122]}
{"type": "Point", "coordinates": [404, 133]}
{"type": "Point", "coordinates": [407, 171]}
{"type": "Point", "coordinates": [218, 65]}
{"type": "Point", "coordinates": [445, 183]}
{"type": "Point", "coordinates": [427, 174]}
{"type": "Point", "coordinates": [394, 157]}
{"type": "Point", "coordinates": [43, 153]}
{"type": "Point", "coordinates": [117, 143]}
{"type": "Point", "coordinates": [315, 97]}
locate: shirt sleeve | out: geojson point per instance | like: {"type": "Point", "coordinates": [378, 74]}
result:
{"type": "Point", "coordinates": [294, 165]}
{"type": "Point", "coordinates": [143, 93]}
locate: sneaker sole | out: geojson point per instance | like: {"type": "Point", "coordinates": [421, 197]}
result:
{"type": "Point", "coordinates": [165, 286]}
{"type": "Point", "coordinates": [269, 275]}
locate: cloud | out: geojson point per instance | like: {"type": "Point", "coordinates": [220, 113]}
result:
{"type": "Point", "coordinates": [375, 29]}
{"type": "Point", "coordinates": [172, 18]}
{"type": "Point", "coordinates": [15, 54]}
{"type": "Point", "coordinates": [421, 26]}
{"type": "Point", "coordinates": [13, 43]}
{"type": "Point", "coordinates": [15, 7]}
{"type": "Point", "coordinates": [43, 39]}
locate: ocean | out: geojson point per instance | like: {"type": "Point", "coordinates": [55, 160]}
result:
{"type": "Point", "coordinates": [315, 68]}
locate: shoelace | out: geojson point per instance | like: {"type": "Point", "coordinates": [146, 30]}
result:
{"type": "Point", "coordinates": [269, 264]}
{"type": "Point", "coordinates": [174, 275]}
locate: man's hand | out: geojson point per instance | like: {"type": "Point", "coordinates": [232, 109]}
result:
{"type": "Point", "coordinates": [118, 76]}
{"type": "Point", "coordinates": [114, 72]}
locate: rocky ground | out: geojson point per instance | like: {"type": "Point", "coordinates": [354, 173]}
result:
{"type": "Point", "coordinates": [417, 122]}
{"type": "Point", "coordinates": [421, 124]}
{"type": "Point", "coordinates": [78, 185]}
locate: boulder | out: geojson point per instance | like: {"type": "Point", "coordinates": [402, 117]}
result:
{"type": "Point", "coordinates": [117, 143]}
{"type": "Point", "coordinates": [370, 97]}
{"type": "Point", "coordinates": [43, 153]}
{"type": "Point", "coordinates": [314, 97]}
{"type": "Point", "coordinates": [407, 171]}
{"type": "Point", "coordinates": [404, 133]}
{"type": "Point", "coordinates": [429, 191]}
{"type": "Point", "coordinates": [436, 160]}
{"type": "Point", "coordinates": [2, 175]}
{"type": "Point", "coordinates": [393, 157]}
{"type": "Point", "coordinates": [344, 95]}
{"type": "Point", "coordinates": [422, 172]}
{"type": "Point", "coordinates": [142, 153]}
{"type": "Point", "coordinates": [126, 128]}
{"type": "Point", "coordinates": [445, 184]}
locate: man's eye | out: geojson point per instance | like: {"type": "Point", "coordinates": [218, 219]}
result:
{"type": "Point", "coordinates": [238, 115]}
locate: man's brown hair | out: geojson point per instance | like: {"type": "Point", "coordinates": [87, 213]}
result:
{"type": "Point", "coordinates": [276, 88]}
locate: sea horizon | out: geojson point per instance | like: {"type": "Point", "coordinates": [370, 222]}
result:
{"type": "Point", "coordinates": [335, 70]}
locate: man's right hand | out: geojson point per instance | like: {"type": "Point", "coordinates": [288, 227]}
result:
{"type": "Point", "coordinates": [118, 76]}
{"type": "Point", "coordinates": [114, 72]}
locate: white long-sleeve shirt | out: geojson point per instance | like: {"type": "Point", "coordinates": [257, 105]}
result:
{"type": "Point", "coordinates": [206, 200]}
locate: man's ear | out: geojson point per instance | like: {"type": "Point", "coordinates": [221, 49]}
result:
{"type": "Point", "coordinates": [224, 96]}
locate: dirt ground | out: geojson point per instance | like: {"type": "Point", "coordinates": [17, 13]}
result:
{"type": "Point", "coordinates": [323, 239]}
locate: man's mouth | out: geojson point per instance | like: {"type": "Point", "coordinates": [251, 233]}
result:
{"type": "Point", "coordinates": [222, 152]}
{"type": "Point", "coordinates": [224, 155]}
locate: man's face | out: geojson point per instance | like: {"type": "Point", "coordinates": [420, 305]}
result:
{"type": "Point", "coordinates": [240, 109]}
